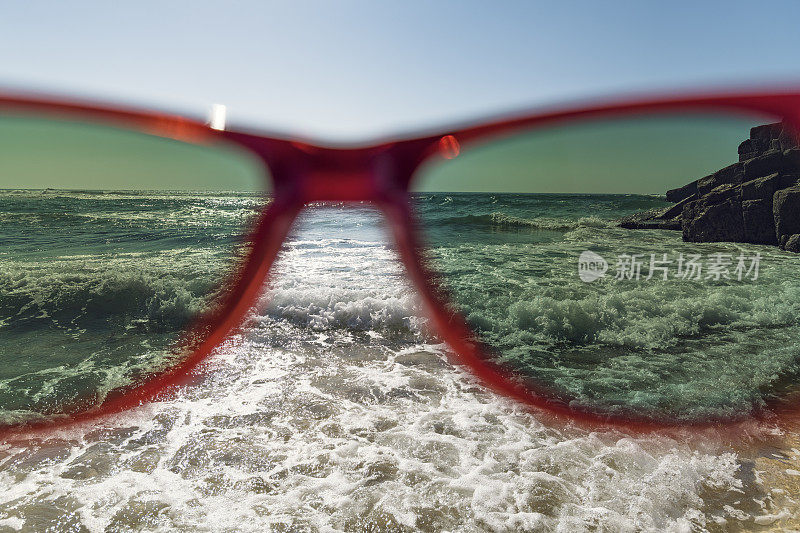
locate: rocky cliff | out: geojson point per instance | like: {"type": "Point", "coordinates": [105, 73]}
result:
{"type": "Point", "coordinates": [755, 200]}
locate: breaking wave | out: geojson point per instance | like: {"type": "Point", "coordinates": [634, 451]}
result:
{"type": "Point", "coordinates": [118, 293]}
{"type": "Point", "coordinates": [295, 427]}
{"type": "Point", "coordinates": [502, 220]}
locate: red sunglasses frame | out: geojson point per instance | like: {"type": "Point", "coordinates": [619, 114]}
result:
{"type": "Point", "coordinates": [379, 173]}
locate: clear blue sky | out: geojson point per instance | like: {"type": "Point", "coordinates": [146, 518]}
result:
{"type": "Point", "coordinates": [345, 69]}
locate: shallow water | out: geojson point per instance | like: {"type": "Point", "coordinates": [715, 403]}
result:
{"type": "Point", "coordinates": [334, 410]}
{"type": "Point", "coordinates": [716, 345]}
{"type": "Point", "coordinates": [95, 286]}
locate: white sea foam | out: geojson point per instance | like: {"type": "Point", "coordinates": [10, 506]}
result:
{"type": "Point", "coordinates": [293, 426]}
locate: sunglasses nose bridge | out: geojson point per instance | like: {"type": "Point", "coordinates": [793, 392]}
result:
{"type": "Point", "coordinates": [356, 184]}
{"type": "Point", "coordinates": [341, 175]}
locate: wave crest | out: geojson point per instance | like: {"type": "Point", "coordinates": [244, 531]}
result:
{"type": "Point", "coordinates": [502, 220]}
{"type": "Point", "coordinates": [128, 295]}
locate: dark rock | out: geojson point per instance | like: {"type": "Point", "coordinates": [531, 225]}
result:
{"type": "Point", "coordinates": [758, 221]}
{"type": "Point", "coordinates": [761, 188]}
{"type": "Point", "coordinates": [746, 150]}
{"type": "Point", "coordinates": [649, 220]}
{"type": "Point", "coordinates": [776, 136]}
{"type": "Point", "coordinates": [788, 180]}
{"type": "Point", "coordinates": [788, 138]}
{"type": "Point", "coordinates": [786, 210]}
{"type": "Point", "coordinates": [682, 193]}
{"type": "Point", "coordinates": [704, 222]}
{"type": "Point", "coordinates": [793, 243]}
{"type": "Point", "coordinates": [760, 136]}
{"type": "Point", "coordinates": [707, 184]}
{"type": "Point", "coordinates": [791, 160]}
{"type": "Point", "coordinates": [676, 210]}
{"type": "Point", "coordinates": [767, 163]}
{"type": "Point", "coordinates": [643, 220]}
{"type": "Point", "coordinates": [723, 192]}
{"type": "Point", "coordinates": [658, 218]}
{"type": "Point", "coordinates": [731, 174]}
{"type": "Point", "coordinates": [756, 200]}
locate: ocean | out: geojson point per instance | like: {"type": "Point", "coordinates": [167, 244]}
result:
{"type": "Point", "coordinates": [336, 409]}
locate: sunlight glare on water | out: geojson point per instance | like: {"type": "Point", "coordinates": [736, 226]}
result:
{"type": "Point", "coordinates": [334, 411]}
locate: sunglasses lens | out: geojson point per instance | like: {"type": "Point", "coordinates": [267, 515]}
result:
{"type": "Point", "coordinates": [585, 280]}
{"type": "Point", "coordinates": [111, 243]}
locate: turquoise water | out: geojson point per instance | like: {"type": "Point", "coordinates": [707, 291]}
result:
{"type": "Point", "coordinates": [335, 409]}
{"type": "Point", "coordinates": [96, 286]}
{"type": "Point", "coordinates": [685, 349]}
